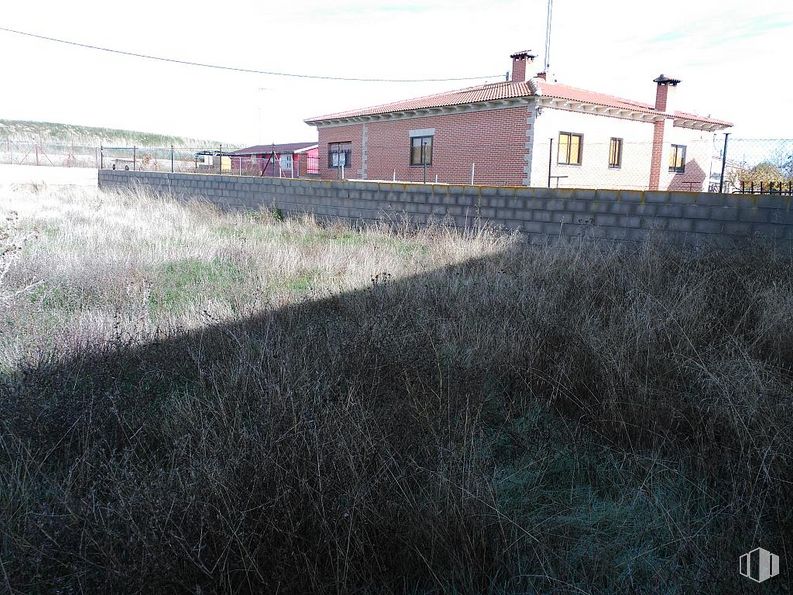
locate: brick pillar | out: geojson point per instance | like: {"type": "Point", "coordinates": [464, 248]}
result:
{"type": "Point", "coordinates": [657, 154]}
{"type": "Point", "coordinates": [663, 92]}
{"type": "Point", "coordinates": [519, 62]}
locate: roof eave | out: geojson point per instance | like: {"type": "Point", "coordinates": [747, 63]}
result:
{"type": "Point", "coordinates": [420, 111]}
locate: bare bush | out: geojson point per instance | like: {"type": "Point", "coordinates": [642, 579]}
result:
{"type": "Point", "coordinates": [196, 401]}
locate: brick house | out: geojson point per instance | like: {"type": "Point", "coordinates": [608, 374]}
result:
{"type": "Point", "coordinates": [527, 131]}
{"type": "Point", "coordinates": [274, 160]}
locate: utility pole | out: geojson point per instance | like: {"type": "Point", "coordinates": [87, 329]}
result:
{"type": "Point", "coordinates": [548, 21]}
{"type": "Point", "coordinates": [723, 162]}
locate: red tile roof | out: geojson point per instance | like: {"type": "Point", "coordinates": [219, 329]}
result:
{"type": "Point", "coordinates": [509, 90]}
{"type": "Point", "coordinates": [282, 148]}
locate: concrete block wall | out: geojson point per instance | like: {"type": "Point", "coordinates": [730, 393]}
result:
{"type": "Point", "coordinates": [537, 212]}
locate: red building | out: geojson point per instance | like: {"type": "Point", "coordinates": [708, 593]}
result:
{"type": "Point", "coordinates": [288, 160]}
{"type": "Point", "coordinates": [527, 131]}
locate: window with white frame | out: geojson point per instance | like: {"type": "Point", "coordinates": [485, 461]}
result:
{"type": "Point", "coordinates": [421, 141]}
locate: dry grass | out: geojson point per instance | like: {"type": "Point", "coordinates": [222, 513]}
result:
{"type": "Point", "coordinates": [200, 402]}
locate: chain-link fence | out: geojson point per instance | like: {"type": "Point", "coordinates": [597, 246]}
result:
{"type": "Point", "coordinates": [709, 164]}
{"type": "Point", "coordinates": [753, 166]}
{"type": "Point", "coordinates": [209, 161]}
{"type": "Point", "coordinates": [43, 153]}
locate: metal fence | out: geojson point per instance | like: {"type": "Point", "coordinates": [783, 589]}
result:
{"type": "Point", "coordinates": [43, 153]}
{"type": "Point", "coordinates": [209, 161]}
{"type": "Point", "coordinates": [712, 164]}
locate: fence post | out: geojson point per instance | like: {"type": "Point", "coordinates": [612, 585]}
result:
{"type": "Point", "coordinates": [220, 160]}
{"type": "Point", "coordinates": [101, 157]}
{"type": "Point", "coordinates": [134, 158]}
{"type": "Point", "coordinates": [473, 173]}
{"type": "Point", "coordinates": [550, 160]}
{"type": "Point", "coordinates": [723, 162]}
{"type": "Point", "coordinates": [171, 158]}
{"type": "Point", "coordinates": [424, 159]}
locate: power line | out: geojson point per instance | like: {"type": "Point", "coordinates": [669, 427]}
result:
{"type": "Point", "coordinates": [240, 69]}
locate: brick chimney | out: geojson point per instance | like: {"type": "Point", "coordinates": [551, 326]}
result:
{"type": "Point", "coordinates": [662, 92]}
{"type": "Point", "coordinates": [663, 103]}
{"type": "Point", "coordinates": [519, 62]}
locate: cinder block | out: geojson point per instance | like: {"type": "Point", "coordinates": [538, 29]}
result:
{"type": "Point", "coordinates": [540, 215]}
{"type": "Point", "coordinates": [629, 221]}
{"type": "Point", "coordinates": [487, 212]}
{"type": "Point", "coordinates": [634, 196]}
{"type": "Point", "coordinates": [754, 215]}
{"type": "Point", "coordinates": [712, 199]}
{"type": "Point", "coordinates": [555, 204]}
{"type": "Point", "coordinates": [606, 219]}
{"type": "Point", "coordinates": [737, 228]}
{"type": "Point", "coordinates": [637, 235]}
{"type": "Point", "coordinates": [774, 202]}
{"type": "Point", "coordinates": [552, 229]}
{"type": "Point", "coordinates": [617, 233]}
{"type": "Point", "coordinates": [532, 226]}
{"type": "Point", "coordinates": [599, 206]}
{"type": "Point", "coordinates": [577, 206]}
{"type": "Point", "coordinates": [708, 226]}
{"type": "Point", "coordinates": [583, 194]}
{"type": "Point", "coordinates": [605, 196]}
{"type": "Point", "coordinates": [768, 231]}
{"type": "Point", "coordinates": [697, 211]}
{"type": "Point", "coordinates": [669, 210]}
{"type": "Point", "coordinates": [562, 217]}
{"type": "Point", "coordinates": [679, 224]}
{"type": "Point", "coordinates": [534, 203]}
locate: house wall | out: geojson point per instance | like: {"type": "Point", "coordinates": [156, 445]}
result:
{"type": "Point", "coordinates": [494, 140]}
{"type": "Point", "coordinates": [537, 212]}
{"type": "Point", "coordinates": [351, 133]}
{"type": "Point", "coordinates": [699, 160]}
{"type": "Point", "coordinates": [594, 171]}
{"type": "Point", "coordinates": [634, 174]}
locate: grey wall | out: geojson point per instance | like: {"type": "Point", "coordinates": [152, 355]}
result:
{"type": "Point", "coordinates": [539, 212]}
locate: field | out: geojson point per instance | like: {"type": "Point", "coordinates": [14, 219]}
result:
{"type": "Point", "coordinates": [197, 402]}
{"type": "Point", "coordinates": [75, 134]}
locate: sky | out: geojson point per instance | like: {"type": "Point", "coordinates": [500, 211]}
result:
{"type": "Point", "coordinates": [731, 55]}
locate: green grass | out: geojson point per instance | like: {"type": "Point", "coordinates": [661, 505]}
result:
{"type": "Point", "coordinates": [196, 401]}
{"type": "Point", "coordinates": [181, 282]}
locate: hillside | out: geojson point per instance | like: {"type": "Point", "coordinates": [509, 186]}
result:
{"type": "Point", "coordinates": [67, 134]}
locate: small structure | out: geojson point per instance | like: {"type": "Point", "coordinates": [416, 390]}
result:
{"type": "Point", "coordinates": [527, 131]}
{"type": "Point", "coordinates": [286, 160]}
{"type": "Point", "coordinates": [210, 160]}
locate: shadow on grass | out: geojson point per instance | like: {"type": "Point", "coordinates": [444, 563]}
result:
{"type": "Point", "coordinates": [556, 420]}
